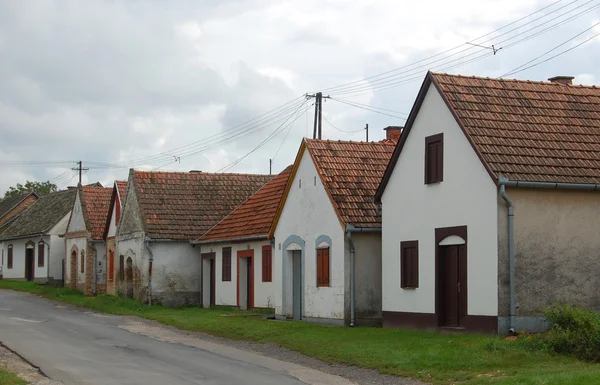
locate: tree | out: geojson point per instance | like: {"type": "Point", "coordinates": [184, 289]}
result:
{"type": "Point", "coordinates": [40, 188]}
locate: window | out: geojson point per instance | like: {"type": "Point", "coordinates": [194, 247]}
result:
{"type": "Point", "coordinates": [82, 265]}
{"type": "Point", "coordinates": [122, 267]}
{"type": "Point", "coordinates": [409, 264]}
{"type": "Point", "coordinates": [267, 261]}
{"type": "Point", "coordinates": [41, 249]}
{"type": "Point", "coordinates": [111, 265]}
{"type": "Point", "coordinates": [9, 257]}
{"type": "Point", "coordinates": [226, 267]}
{"type": "Point", "coordinates": [434, 158]}
{"type": "Point", "coordinates": [323, 267]}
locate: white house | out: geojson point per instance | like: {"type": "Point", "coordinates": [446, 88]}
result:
{"type": "Point", "coordinates": [163, 212]}
{"type": "Point", "coordinates": [85, 253]}
{"type": "Point", "coordinates": [237, 253]}
{"type": "Point", "coordinates": [32, 247]}
{"type": "Point", "coordinates": [327, 233]}
{"type": "Point", "coordinates": [490, 205]}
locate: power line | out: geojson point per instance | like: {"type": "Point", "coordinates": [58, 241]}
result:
{"type": "Point", "coordinates": [367, 108]}
{"type": "Point", "coordinates": [287, 134]}
{"type": "Point", "coordinates": [371, 106]}
{"type": "Point", "coordinates": [520, 68]}
{"type": "Point", "coordinates": [339, 129]}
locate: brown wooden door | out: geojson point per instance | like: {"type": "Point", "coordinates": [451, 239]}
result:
{"type": "Point", "coordinates": [212, 282]}
{"type": "Point", "coordinates": [29, 264]}
{"type": "Point", "coordinates": [452, 285]}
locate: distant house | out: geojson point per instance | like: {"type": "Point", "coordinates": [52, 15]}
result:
{"type": "Point", "coordinates": [328, 233]}
{"type": "Point", "coordinates": [85, 259]}
{"type": "Point", "coordinates": [237, 253]}
{"type": "Point", "coordinates": [110, 231]}
{"type": "Point", "coordinates": [12, 207]}
{"type": "Point", "coordinates": [32, 248]}
{"type": "Point", "coordinates": [162, 213]}
{"type": "Point", "coordinates": [490, 205]}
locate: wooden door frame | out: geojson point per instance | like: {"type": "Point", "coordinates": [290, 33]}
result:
{"type": "Point", "coordinates": [203, 256]}
{"type": "Point", "coordinates": [250, 295]}
{"type": "Point", "coordinates": [440, 234]}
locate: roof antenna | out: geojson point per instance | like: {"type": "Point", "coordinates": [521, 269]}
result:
{"type": "Point", "coordinates": [492, 47]}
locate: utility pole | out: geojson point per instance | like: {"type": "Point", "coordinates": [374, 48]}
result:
{"type": "Point", "coordinates": [318, 123]}
{"type": "Point", "coordinates": [270, 164]}
{"type": "Point", "coordinates": [367, 130]}
{"type": "Point", "coordinates": [80, 169]}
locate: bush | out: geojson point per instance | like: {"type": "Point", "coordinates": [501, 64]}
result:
{"type": "Point", "coordinates": [574, 331]}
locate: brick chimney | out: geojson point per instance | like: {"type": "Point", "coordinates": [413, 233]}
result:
{"type": "Point", "coordinates": [568, 80]}
{"type": "Point", "coordinates": [393, 133]}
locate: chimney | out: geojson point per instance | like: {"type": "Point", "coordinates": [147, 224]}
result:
{"type": "Point", "coordinates": [568, 80]}
{"type": "Point", "coordinates": [393, 133]}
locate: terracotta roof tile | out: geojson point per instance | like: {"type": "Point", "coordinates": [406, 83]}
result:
{"type": "Point", "coordinates": [254, 217]}
{"type": "Point", "coordinates": [122, 188]}
{"type": "Point", "coordinates": [529, 131]}
{"type": "Point", "coordinates": [351, 172]}
{"type": "Point", "coordinates": [96, 202]}
{"type": "Point", "coordinates": [183, 206]}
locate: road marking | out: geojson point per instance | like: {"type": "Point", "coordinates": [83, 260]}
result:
{"type": "Point", "coordinates": [26, 320]}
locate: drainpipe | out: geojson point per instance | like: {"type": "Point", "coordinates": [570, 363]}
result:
{"type": "Point", "coordinates": [349, 230]}
{"type": "Point", "coordinates": [511, 256]}
{"type": "Point", "coordinates": [48, 258]}
{"type": "Point", "coordinates": [503, 183]}
{"type": "Point", "coordinates": [150, 260]}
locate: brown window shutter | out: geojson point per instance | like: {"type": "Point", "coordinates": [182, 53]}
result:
{"type": "Point", "coordinates": [434, 158]}
{"type": "Point", "coordinates": [409, 264]}
{"type": "Point", "coordinates": [41, 249]}
{"type": "Point", "coordinates": [322, 267]}
{"type": "Point", "coordinates": [226, 265]}
{"type": "Point", "coordinates": [267, 264]}
{"type": "Point", "coordinates": [122, 267]}
{"type": "Point", "coordinates": [82, 266]}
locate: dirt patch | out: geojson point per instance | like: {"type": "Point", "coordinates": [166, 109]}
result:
{"type": "Point", "coordinates": [23, 369]}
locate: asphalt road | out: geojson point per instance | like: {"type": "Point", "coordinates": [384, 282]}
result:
{"type": "Point", "coordinates": [78, 347]}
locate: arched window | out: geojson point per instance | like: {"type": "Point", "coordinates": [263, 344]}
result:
{"type": "Point", "coordinates": [122, 267]}
{"type": "Point", "coordinates": [41, 250]}
{"type": "Point", "coordinates": [111, 265]}
{"type": "Point", "coordinates": [9, 258]}
{"type": "Point", "coordinates": [323, 246]}
{"type": "Point", "coordinates": [82, 266]}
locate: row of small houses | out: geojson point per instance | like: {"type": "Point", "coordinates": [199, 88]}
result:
{"type": "Point", "coordinates": [476, 215]}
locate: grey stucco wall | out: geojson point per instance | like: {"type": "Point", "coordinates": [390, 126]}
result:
{"type": "Point", "coordinates": [131, 220]}
{"type": "Point", "coordinates": [557, 252]}
{"type": "Point", "coordinates": [367, 270]}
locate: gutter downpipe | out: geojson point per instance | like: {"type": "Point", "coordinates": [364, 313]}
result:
{"type": "Point", "coordinates": [150, 260]}
{"type": "Point", "coordinates": [48, 258]}
{"type": "Point", "coordinates": [349, 230]}
{"type": "Point", "coordinates": [511, 254]}
{"type": "Point", "coordinates": [503, 183]}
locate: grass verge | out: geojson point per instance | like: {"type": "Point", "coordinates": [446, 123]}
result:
{"type": "Point", "coordinates": [9, 378]}
{"type": "Point", "coordinates": [431, 357]}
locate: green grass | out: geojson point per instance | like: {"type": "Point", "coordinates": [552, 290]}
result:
{"type": "Point", "coordinates": [8, 378]}
{"type": "Point", "coordinates": [432, 357]}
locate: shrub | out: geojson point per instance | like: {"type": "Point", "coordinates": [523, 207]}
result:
{"type": "Point", "coordinates": [574, 331]}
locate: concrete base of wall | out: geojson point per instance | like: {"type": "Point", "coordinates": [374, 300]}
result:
{"type": "Point", "coordinates": [368, 322]}
{"type": "Point", "coordinates": [429, 321]}
{"type": "Point", "coordinates": [177, 299]}
{"type": "Point", "coordinates": [529, 324]}
{"type": "Point", "coordinates": [328, 321]}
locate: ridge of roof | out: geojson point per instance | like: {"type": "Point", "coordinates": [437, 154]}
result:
{"type": "Point", "coordinates": [254, 217]}
{"type": "Point", "coordinates": [513, 80]}
{"type": "Point", "coordinates": [12, 202]}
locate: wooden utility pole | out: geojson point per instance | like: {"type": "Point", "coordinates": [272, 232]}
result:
{"type": "Point", "coordinates": [367, 130]}
{"type": "Point", "coordinates": [318, 123]}
{"type": "Point", "coordinates": [270, 164]}
{"type": "Point", "coordinates": [80, 169]}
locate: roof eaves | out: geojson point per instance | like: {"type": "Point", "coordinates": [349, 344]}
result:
{"type": "Point", "coordinates": [232, 240]}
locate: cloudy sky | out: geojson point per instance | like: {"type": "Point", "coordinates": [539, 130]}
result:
{"type": "Point", "coordinates": [184, 85]}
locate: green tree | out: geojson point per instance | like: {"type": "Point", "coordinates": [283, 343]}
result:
{"type": "Point", "coordinates": [40, 188]}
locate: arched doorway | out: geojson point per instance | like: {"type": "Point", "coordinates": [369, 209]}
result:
{"type": "Point", "coordinates": [73, 269]}
{"type": "Point", "coordinates": [129, 277]}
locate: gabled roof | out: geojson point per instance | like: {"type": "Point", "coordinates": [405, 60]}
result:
{"type": "Point", "coordinates": [95, 202]}
{"type": "Point", "coordinates": [42, 215]}
{"type": "Point", "coordinates": [183, 206]}
{"type": "Point", "coordinates": [521, 130]}
{"type": "Point", "coordinates": [350, 172]}
{"type": "Point", "coordinates": [117, 196]}
{"type": "Point", "coordinates": [8, 204]}
{"type": "Point", "coordinates": [254, 217]}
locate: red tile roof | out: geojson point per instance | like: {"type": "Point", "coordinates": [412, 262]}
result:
{"type": "Point", "coordinates": [521, 130]}
{"type": "Point", "coordinates": [529, 131]}
{"type": "Point", "coordinates": [122, 188]}
{"type": "Point", "coordinates": [351, 172]}
{"type": "Point", "coordinates": [183, 206]}
{"type": "Point", "coordinates": [95, 202]}
{"type": "Point", "coordinates": [254, 217]}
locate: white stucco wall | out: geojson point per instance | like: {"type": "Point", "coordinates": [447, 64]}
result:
{"type": "Point", "coordinates": [308, 214]}
{"type": "Point", "coordinates": [77, 222]}
{"type": "Point", "coordinates": [226, 292]}
{"type": "Point", "coordinates": [112, 228]}
{"type": "Point", "coordinates": [412, 211]}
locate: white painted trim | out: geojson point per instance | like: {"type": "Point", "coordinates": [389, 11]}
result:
{"type": "Point", "coordinates": [293, 247]}
{"type": "Point", "coordinates": [452, 240]}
